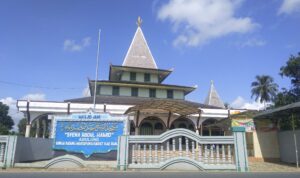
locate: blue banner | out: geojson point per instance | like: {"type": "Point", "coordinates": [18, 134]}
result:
{"type": "Point", "coordinates": [80, 134]}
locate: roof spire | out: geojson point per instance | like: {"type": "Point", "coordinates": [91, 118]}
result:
{"type": "Point", "coordinates": [213, 97]}
{"type": "Point", "coordinates": [139, 21]}
{"type": "Point", "coordinates": [139, 54]}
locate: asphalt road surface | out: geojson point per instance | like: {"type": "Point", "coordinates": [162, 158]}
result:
{"type": "Point", "coordinates": [145, 175]}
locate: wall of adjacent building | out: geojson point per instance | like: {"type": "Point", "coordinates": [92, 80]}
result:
{"type": "Point", "coordinates": [266, 145]}
{"type": "Point", "coordinates": [287, 145]}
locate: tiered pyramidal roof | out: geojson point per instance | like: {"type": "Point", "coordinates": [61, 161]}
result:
{"type": "Point", "coordinates": [213, 98]}
{"type": "Point", "coordinates": [139, 54]}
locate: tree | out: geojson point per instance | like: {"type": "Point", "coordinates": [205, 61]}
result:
{"type": "Point", "coordinates": [22, 126]}
{"type": "Point", "coordinates": [292, 71]}
{"type": "Point", "coordinates": [6, 122]}
{"type": "Point", "coordinates": [264, 89]}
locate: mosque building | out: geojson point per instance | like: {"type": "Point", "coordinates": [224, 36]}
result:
{"type": "Point", "coordinates": [136, 89]}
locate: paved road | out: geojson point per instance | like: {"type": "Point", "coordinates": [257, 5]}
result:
{"type": "Point", "coordinates": [145, 175]}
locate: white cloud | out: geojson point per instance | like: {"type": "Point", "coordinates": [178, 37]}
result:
{"type": "Point", "coordinates": [205, 20]}
{"type": "Point", "coordinates": [34, 96]}
{"type": "Point", "coordinates": [253, 42]}
{"type": "Point", "coordinates": [241, 103]}
{"type": "Point", "coordinates": [72, 45]}
{"type": "Point", "coordinates": [13, 111]}
{"type": "Point", "coordinates": [86, 92]}
{"type": "Point", "coordinates": [289, 6]}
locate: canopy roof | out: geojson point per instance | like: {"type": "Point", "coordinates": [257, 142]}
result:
{"type": "Point", "coordinates": [180, 107]}
{"type": "Point", "coordinates": [280, 111]}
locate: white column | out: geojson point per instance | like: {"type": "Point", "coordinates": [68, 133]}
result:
{"type": "Point", "coordinates": [186, 147]}
{"type": "Point", "coordinates": [218, 154]}
{"type": "Point", "coordinates": [162, 158]}
{"type": "Point", "coordinates": [139, 160]}
{"type": "Point", "coordinates": [200, 152]}
{"type": "Point", "coordinates": [155, 154]}
{"type": "Point", "coordinates": [150, 154]}
{"type": "Point", "coordinates": [27, 132]}
{"type": "Point", "coordinates": [168, 150]}
{"type": "Point", "coordinates": [37, 131]}
{"type": "Point", "coordinates": [193, 150]}
{"type": "Point", "coordinates": [229, 154]}
{"type": "Point", "coordinates": [44, 127]}
{"type": "Point", "coordinates": [173, 146]}
{"type": "Point", "coordinates": [180, 146]}
{"type": "Point", "coordinates": [223, 154]}
{"type": "Point", "coordinates": [205, 154]}
{"type": "Point", "coordinates": [211, 160]}
{"type": "Point", "coordinates": [133, 154]}
{"type": "Point", "coordinates": [144, 156]}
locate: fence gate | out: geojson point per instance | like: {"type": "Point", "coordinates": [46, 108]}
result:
{"type": "Point", "coordinates": [182, 149]}
{"type": "Point", "coordinates": [7, 150]}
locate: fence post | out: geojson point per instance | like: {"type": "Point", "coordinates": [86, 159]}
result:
{"type": "Point", "coordinates": [123, 152]}
{"type": "Point", "coordinates": [240, 149]}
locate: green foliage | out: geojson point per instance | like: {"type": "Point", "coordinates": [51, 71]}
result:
{"type": "Point", "coordinates": [292, 71]}
{"type": "Point", "coordinates": [6, 122]}
{"type": "Point", "coordinates": [285, 97]}
{"type": "Point", "coordinates": [3, 130]}
{"type": "Point", "coordinates": [22, 126]}
{"type": "Point", "coordinates": [286, 123]}
{"type": "Point", "coordinates": [264, 88]}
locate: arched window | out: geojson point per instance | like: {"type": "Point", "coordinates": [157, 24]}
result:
{"type": "Point", "coordinates": [208, 129]}
{"type": "Point", "coordinates": [182, 125]}
{"type": "Point", "coordinates": [146, 129]}
{"type": "Point", "coordinates": [183, 122]}
{"type": "Point", "coordinates": [191, 127]}
{"type": "Point", "coordinates": [158, 126]}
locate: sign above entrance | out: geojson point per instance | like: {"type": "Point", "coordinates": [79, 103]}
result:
{"type": "Point", "coordinates": [91, 115]}
{"type": "Point", "coordinates": [88, 133]}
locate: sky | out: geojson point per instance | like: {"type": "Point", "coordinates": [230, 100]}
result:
{"type": "Point", "coordinates": [48, 48]}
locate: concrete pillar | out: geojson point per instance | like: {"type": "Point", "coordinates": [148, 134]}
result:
{"type": "Point", "coordinates": [201, 130]}
{"type": "Point", "coordinates": [44, 127]}
{"type": "Point", "coordinates": [122, 158]}
{"type": "Point", "coordinates": [37, 131]}
{"type": "Point", "coordinates": [27, 132]}
{"type": "Point", "coordinates": [136, 131]}
{"type": "Point", "coordinates": [240, 149]}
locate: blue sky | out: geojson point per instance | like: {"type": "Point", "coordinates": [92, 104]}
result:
{"type": "Point", "coordinates": [51, 45]}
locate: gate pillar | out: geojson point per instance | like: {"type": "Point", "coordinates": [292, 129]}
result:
{"type": "Point", "coordinates": [240, 145]}
{"type": "Point", "coordinates": [123, 150]}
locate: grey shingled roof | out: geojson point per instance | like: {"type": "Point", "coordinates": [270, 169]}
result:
{"type": "Point", "coordinates": [213, 98]}
{"type": "Point", "coordinates": [139, 54]}
{"type": "Point", "coordinates": [127, 100]}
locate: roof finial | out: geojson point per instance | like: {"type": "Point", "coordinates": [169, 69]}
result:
{"type": "Point", "coordinates": [139, 21]}
{"type": "Point", "coordinates": [211, 82]}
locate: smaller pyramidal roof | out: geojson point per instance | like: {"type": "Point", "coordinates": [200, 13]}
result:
{"type": "Point", "coordinates": [139, 54]}
{"type": "Point", "coordinates": [213, 98]}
